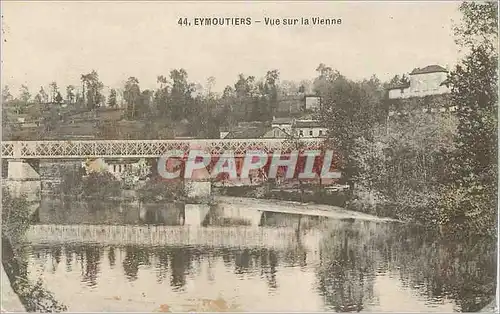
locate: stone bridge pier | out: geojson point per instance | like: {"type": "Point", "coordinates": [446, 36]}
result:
{"type": "Point", "coordinates": [199, 194]}
{"type": "Point", "coordinates": [196, 213]}
{"type": "Point", "coordinates": [23, 178]}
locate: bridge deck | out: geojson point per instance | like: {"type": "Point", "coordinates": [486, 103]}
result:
{"type": "Point", "coordinates": [144, 148]}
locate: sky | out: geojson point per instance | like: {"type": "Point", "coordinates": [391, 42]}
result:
{"type": "Point", "coordinates": [60, 40]}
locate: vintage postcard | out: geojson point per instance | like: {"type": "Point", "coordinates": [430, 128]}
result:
{"type": "Point", "coordinates": [257, 156]}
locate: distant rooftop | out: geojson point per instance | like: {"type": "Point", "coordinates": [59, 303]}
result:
{"type": "Point", "coordinates": [307, 124]}
{"type": "Point", "coordinates": [429, 69]}
{"type": "Point", "coordinates": [248, 133]}
{"type": "Point", "coordinates": [282, 120]}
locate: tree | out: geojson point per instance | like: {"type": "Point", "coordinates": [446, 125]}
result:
{"type": "Point", "coordinates": [112, 98]}
{"type": "Point", "coordinates": [399, 81]}
{"type": "Point", "coordinates": [271, 88]}
{"type": "Point", "coordinates": [101, 185]}
{"type": "Point", "coordinates": [305, 86]}
{"type": "Point", "coordinates": [210, 84]}
{"type": "Point", "coordinates": [24, 94]}
{"type": "Point", "coordinates": [38, 99]}
{"type": "Point", "coordinates": [326, 76]}
{"type": "Point", "coordinates": [92, 88]}
{"type": "Point", "coordinates": [53, 91]}
{"type": "Point", "coordinates": [479, 24]}
{"type": "Point", "coordinates": [6, 95]}
{"type": "Point", "coordinates": [162, 80]}
{"type": "Point", "coordinates": [244, 89]}
{"type": "Point", "coordinates": [471, 200]}
{"type": "Point", "coordinates": [160, 102]}
{"type": "Point", "coordinates": [22, 102]}
{"type": "Point", "coordinates": [350, 111]}
{"type": "Point", "coordinates": [289, 88]}
{"type": "Point", "coordinates": [43, 95]}
{"type": "Point", "coordinates": [70, 94]}
{"type": "Point", "coordinates": [146, 103]}
{"type": "Point", "coordinates": [132, 96]}
{"type": "Point", "coordinates": [16, 216]}
{"type": "Point", "coordinates": [180, 101]}
{"type": "Point", "coordinates": [58, 99]}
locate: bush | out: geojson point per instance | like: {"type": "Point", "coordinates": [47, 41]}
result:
{"type": "Point", "coordinates": [162, 190]}
{"type": "Point", "coordinates": [464, 212]}
{"type": "Point", "coordinates": [101, 185]}
{"type": "Point", "coordinates": [406, 165]}
{"type": "Point", "coordinates": [16, 216]}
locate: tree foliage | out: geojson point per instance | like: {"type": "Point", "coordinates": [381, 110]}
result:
{"type": "Point", "coordinates": [112, 102]}
{"type": "Point", "coordinates": [92, 87]}
{"type": "Point", "coordinates": [470, 201]}
{"type": "Point", "coordinates": [70, 94]}
{"type": "Point", "coordinates": [132, 96]}
{"type": "Point", "coordinates": [101, 185]}
{"type": "Point", "coordinates": [16, 217]}
{"type": "Point", "coordinates": [350, 111]}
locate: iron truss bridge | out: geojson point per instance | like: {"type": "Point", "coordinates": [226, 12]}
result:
{"type": "Point", "coordinates": [146, 148]}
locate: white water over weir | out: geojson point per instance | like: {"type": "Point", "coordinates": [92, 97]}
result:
{"type": "Point", "coordinates": [241, 236]}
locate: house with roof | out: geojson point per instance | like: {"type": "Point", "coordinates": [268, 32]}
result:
{"type": "Point", "coordinates": [278, 128]}
{"type": "Point", "coordinates": [312, 103]}
{"type": "Point", "coordinates": [309, 128]}
{"type": "Point", "coordinates": [284, 124]}
{"type": "Point", "coordinates": [430, 80]}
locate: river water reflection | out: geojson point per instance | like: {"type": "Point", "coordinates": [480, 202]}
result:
{"type": "Point", "coordinates": [360, 266]}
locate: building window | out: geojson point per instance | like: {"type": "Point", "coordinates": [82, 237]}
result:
{"type": "Point", "coordinates": [311, 133]}
{"type": "Point", "coordinates": [114, 168]}
{"type": "Point", "coordinates": [301, 133]}
{"type": "Point", "coordinates": [320, 132]}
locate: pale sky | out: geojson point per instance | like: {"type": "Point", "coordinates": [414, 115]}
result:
{"type": "Point", "coordinates": [59, 41]}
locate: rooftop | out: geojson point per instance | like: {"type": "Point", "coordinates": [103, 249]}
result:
{"type": "Point", "coordinates": [307, 124]}
{"type": "Point", "coordinates": [248, 133]}
{"type": "Point", "coordinates": [429, 69]}
{"type": "Point", "coordinates": [282, 120]}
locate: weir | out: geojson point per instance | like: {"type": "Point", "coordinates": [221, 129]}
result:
{"type": "Point", "coordinates": [278, 238]}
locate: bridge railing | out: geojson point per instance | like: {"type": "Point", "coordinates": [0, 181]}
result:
{"type": "Point", "coordinates": [143, 148]}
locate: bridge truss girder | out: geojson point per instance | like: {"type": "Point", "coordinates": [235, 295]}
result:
{"type": "Point", "coordinates": [146, 148]}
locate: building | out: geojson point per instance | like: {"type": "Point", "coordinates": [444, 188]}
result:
{"type": "Point", "coordinates": [278, 128]}
{"type": "Point", "coordinates": [309, 128]}
{"type": "Point", "coordinates": [312, 103]}
{"type": "Point", "coordinates": [253, 129]}
{"type": "Point", "coordinates": [284, 124]}
{"type": "Point", "coordinates": [430, 80]}
{"type": "Point", "coordinates": [302, 128]}
{"type": "Point", "coordinates": [276, 132]}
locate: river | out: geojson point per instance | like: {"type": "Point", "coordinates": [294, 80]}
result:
{"type": "Point", "coordinates": [356, 266]}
